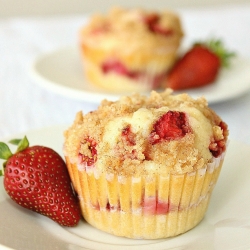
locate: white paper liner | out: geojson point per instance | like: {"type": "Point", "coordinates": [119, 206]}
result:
{"type": "Point", "coordinates": [126, 206]}
{"type": "Point", "coordinates": [117, 82]}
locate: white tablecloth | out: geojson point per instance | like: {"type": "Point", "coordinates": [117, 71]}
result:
{"type": "Point", "coordinates": [25, 105]}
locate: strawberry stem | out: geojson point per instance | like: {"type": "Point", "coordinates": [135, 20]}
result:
{"type": "Point", "coordinates": [219, 49]}
{"type": "Point", "coordinates": [21, 143]}
{"type": "Point", "coordinates": [5, 152]}
{"type": "Point", "coordinates": [15, 141]}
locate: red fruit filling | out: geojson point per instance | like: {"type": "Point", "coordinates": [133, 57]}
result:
{"type": "Point", "coordinates": [114, 66]}
{"type": "Point", "coordinates": [118, 68]}
{"type": "Point", "coordinates": [152, 206]}
{"type": "Point", "coordinates": [217, 147]}
{"type": "Point", "coordinates": [149, 206]}
{"type": "Point", "coordinates": [92, 157]}
{"type": "Point", "coordinates": [108, 207]}
{"type": "Point", "coordinates": [112, 208]}
{"type": "Point", "coordinates": [105, 27]}
{"type": "Point", "coordinates": [128, 136]}
{"type": "Point", "coordinates": [152, 21]}
{"type": "Point", "coordinates": [172, 125]}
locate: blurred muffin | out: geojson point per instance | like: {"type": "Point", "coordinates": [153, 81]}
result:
{"type": "Point", "coordinates": [130, 49]}
{"type": "Point", "coordinates": [145, 167]}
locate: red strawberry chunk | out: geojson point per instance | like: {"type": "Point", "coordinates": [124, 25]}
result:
{"type": "Point", "coordinates": [92, 157]}
{"type": "Point", "coordinates": [128, 135]}
{"type": "Point", "coordinates": [152, 206]}
{"type": "Point", "coordinates": [162, 207]}
{"type": "Point", "coordinates": [149, 205]}
{"type": "Point", "coordinates": [110, 207]}
{"type": "Point", "coordinates": [114, 66]}
{"type": "Point", "coordinates": [217, 147]}
{"type": "Point", "coordinates": [117, 67]}
{"type": "Point", "coordinates": [157, 28]}
{"type": "Point", "coordinates": [152, 21]}
{"type": "Point", "coordinates": [128, 138]}
{"type": "Point", "coordinates": [172, 125]}
{"type": "Point", "coordinates": [105, 27]}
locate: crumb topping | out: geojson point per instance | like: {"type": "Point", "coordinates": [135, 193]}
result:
{"type": "Point", "coordinates": [137, 27]}
{"type": "Point", "coordinates": [117, 137]}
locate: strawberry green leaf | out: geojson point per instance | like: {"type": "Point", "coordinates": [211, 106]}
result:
{"type": "Point", "coordinates": [15, 141]}
{"type": "Point", "coordinates": [220, 50]}
{"type": "Point", "coordinates": [23, 144]}
{"type": "Point", "coordinates": [5, 152]}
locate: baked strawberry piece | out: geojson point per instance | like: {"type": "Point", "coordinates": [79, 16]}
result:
{"type": "Point", "coordinates": [218, 145]}
{"type": "Point", "coordinates": [172, 125]}
{"type": "Point", "coordinates": [116, 67]}
{"type": "Point", "coordinates": [153, 22]}
{"type": "Point", "coordinates": [128, 135]}
{"type": "Point", "coordinates": [91, 157]}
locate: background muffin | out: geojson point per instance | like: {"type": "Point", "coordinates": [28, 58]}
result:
{"type": "Point", "coordinates": [130, 49]}
{"type": "Point", "coordinates": [145, 167]}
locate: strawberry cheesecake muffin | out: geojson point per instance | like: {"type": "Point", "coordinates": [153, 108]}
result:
{"type": "Point", "coordinates": [130, 49]}
{"type": "Point", "coordinates": [145, 167]}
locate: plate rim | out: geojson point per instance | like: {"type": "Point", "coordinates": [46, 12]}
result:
{"type": "Point", "coordinates": [97, 97]}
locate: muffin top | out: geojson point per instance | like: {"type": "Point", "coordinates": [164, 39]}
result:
{"type": "Point", "coordinates": [141, 135]}
{"type": "Point", "coordinates": [128, 30]}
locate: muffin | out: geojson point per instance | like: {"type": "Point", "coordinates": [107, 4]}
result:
{"type": "Point", "coordinates": [130, 49]}
{"type": "Point", "coordinates": [145, 167]}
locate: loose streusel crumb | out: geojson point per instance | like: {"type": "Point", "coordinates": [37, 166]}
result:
{"type": "Point", "coordinates": [139, 135]}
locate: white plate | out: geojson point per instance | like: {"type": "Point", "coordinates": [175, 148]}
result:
{"type": "Point", "coordinates": [61, 71]}
{"type": "Point", "coordinates": [225, 226]}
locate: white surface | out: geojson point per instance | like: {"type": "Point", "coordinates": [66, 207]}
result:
{"type": "Point", "coordinates": [61, 71]}
{"type": "Point", "coordinates": [11, 8]}
{"type": "Point", "coordinates": [226, 225]}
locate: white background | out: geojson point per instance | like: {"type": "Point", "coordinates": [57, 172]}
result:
{"type": "Point", "coordinates": [55, 7]}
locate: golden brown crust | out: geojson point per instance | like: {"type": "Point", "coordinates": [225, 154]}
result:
{"type": "Point", "coordinates": [114, 155]}
{"type": "Point", "coordinates": [123, 27]}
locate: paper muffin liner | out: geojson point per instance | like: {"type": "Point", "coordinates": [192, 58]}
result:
{"type": "Point", "coordinates": [146, 207]}
{"type": "Point", "coordinates": [149, 76]}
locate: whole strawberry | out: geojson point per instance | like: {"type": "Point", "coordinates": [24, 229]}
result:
{"type": "Point", "coordinates": [36, 178]}
{"type": "Point", "coordinates": [199, 66]}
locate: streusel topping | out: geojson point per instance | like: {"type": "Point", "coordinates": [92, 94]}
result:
{"type": "Point", "coordinates": [127, 30]}
{"type": "Point", "coordinates": [138, 135]}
